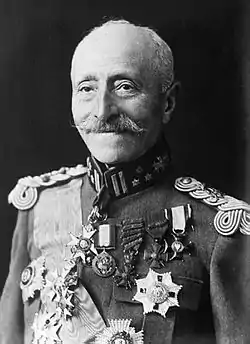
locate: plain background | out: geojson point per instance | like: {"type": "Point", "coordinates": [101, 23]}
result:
{"type": "Point", "coordinates": [210, 127]}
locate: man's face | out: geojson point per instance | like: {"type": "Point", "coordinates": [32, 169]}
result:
{"type": "Point", "coordinates": [116, 103]}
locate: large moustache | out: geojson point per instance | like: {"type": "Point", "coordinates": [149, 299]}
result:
{"type": "Point", "coordinates": [115, 123]}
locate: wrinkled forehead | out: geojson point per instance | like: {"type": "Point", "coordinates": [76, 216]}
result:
{"type": "Point", "coordinates": [121, 45]}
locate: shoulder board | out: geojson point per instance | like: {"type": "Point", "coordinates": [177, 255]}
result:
{"type": "Point", "coordinates": [232, 215]}
{"type": "Point", "coordinates": [25, 194]}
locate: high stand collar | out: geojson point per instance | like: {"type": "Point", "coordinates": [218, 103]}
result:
{"type": "Point", "coordinates": [128, 178]}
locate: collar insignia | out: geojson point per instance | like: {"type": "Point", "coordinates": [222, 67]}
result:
{"type": "Point", "coordinates": [157, 292]}
{"type": "Point", "coordinates": [125, 179]}
{"type": "Point", "coordinates": [119, 332]}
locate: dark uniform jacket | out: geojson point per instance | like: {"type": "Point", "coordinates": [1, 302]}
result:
{"type": "Point", "coordinates": [169, 263]}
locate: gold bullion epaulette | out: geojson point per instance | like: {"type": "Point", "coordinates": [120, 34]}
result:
{"type": "Point", "coordinates": [232, 214]}
{"type": "Point", "coordinates": [25, 194]}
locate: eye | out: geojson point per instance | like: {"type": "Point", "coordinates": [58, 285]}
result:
{"type": "Point", "coordinates": [85, 88]}
{"type": "Point", "coordinates": [125, 88]}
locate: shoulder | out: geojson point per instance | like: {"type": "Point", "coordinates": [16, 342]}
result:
{"type": "Point", "coordinates": [26, 192]}
{"type": "Point", "coordinates": [232, 215]}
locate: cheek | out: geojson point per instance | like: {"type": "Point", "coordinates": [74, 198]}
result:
{"type": "Point", "coordinates": [80, 109]}
{"type": "Point", "coordinates": [146, 111]}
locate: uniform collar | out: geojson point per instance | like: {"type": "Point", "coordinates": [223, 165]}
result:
{"type": "Point", "coordinates": [125, 179]}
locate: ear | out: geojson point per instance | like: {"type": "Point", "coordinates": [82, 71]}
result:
{"type": "Point", "coordinates": [170, 101]}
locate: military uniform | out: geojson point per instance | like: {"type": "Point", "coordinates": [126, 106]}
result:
{"type": "Point", "coordinates": [126, 254]}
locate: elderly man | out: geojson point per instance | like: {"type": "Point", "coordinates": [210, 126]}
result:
{"type": "Point", "coordinates": [123, 250]}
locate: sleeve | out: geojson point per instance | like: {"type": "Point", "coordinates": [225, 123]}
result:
{"type": "Point", "coordinates": [230, 289]}
{"type": "Point", "coordinates": [11, 305]}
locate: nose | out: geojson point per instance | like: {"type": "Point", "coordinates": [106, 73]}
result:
{"type": "Point", "coordinates": [105, 105]}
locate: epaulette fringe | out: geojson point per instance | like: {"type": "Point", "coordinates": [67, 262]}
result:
{"type": "Point", "coordinates": [25, 194]}
{"type": "Point", "coordinates": [232, 215]}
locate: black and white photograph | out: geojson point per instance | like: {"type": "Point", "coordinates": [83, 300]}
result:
{"type": "Point", "coordinates": [125, 172]}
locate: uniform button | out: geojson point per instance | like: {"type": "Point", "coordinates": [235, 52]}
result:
{"type": "Point", "coordinates": [186, 180]}
{"type": "Point", "coordinates": [105, 303]}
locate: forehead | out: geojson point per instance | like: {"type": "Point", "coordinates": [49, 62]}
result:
{"type": "Point", "coordinates": [112, 51]}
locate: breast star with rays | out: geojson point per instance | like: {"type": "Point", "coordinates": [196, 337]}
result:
{"type": "Point", "coordinates": [157, 292]}
{"type": "Point", "coordinates": [119, 331]}
{"type": "Point", "coordinates": [32, 278]}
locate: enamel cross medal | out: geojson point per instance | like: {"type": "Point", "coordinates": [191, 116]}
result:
{"type": "Point", "coordinates": [157, 292]}
{"type": "Point", "coordinates": [82, 245]}
{"type": "Point", "coordinates": [104, 239]}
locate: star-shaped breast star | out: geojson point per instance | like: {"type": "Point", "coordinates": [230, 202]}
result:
{"type": "Point", "coordinates": [157, 292]}
{"type": "Point", "coordinates": [119, 331]}
{"type": "Point", "coordinates": [32, 278]}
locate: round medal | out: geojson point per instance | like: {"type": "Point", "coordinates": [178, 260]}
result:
{"type": "Point", "coordinates": [177, 246]}
{"type": "Point", "coordinates": [121, 338]}
{"type": "Point", "coordinates": [104, 264]}
{"type": "Point", "coordinates": [119, 331]}
{"type": "Point", "coordinates": [85, 244]}
{"type": "Point", "coordinates": [158, 293]}
{"type": "Point", "coordinates": [27, 275]}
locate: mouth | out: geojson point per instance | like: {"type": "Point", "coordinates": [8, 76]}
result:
{"type": "Point", "coordinates": [112, 131]}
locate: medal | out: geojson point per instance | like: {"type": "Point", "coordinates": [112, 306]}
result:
{"type": "Point", "coordinates": [46, 327]}
{"type": "Point", "coordinates": [180, 219]}
{"type": "Point", "coordinates": [157, 254]}
{"type": "Point", "coordinates": [119, 332]}
{"type": "Point", "coordinates": [126, 277]}
{"type": "Point", "coordinates": [157, 292]}
{"type": "Point", "coordinates": [105, 236]}
{"type": "Point", "coordinates": [104, 264]}
{"type": "Point", "coordinates": [131, 239]}
{"type": "Point", "coordinates": [59, 289]}
{"type": "Point", "coordinates": [179, 247]}
{"type": "Point", "coordinates": [82, 245]}
{"type": "Point", "coordinates": [32, 278]}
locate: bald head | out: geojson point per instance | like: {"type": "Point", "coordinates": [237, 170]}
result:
{"type": "Point", "coordinates": [140, 45]}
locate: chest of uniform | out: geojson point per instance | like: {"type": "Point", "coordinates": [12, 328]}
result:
{"type": "Point", "coordinates": [139, 264]}
{"type": "Point", "coordinates": [156, 272]}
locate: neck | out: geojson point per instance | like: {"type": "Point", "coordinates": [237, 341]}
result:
{"type": "Point", "coordinates": [127, 178]}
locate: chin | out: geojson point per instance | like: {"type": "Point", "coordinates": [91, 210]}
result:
{"type": "Point", "coordinates": [112, 156]}
{"type": "Point", "coordinates": [111, 148]}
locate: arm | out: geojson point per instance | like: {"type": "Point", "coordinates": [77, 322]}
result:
{"type": "Point", "coordinates": [230, 289]}
{"type": "Point", "coordinates": [11, 305]}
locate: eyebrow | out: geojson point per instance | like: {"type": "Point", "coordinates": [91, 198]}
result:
{"type": "Point", "coordinates": [119, 75]}
{"type": "Point", "coordinates": [89, 77]}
